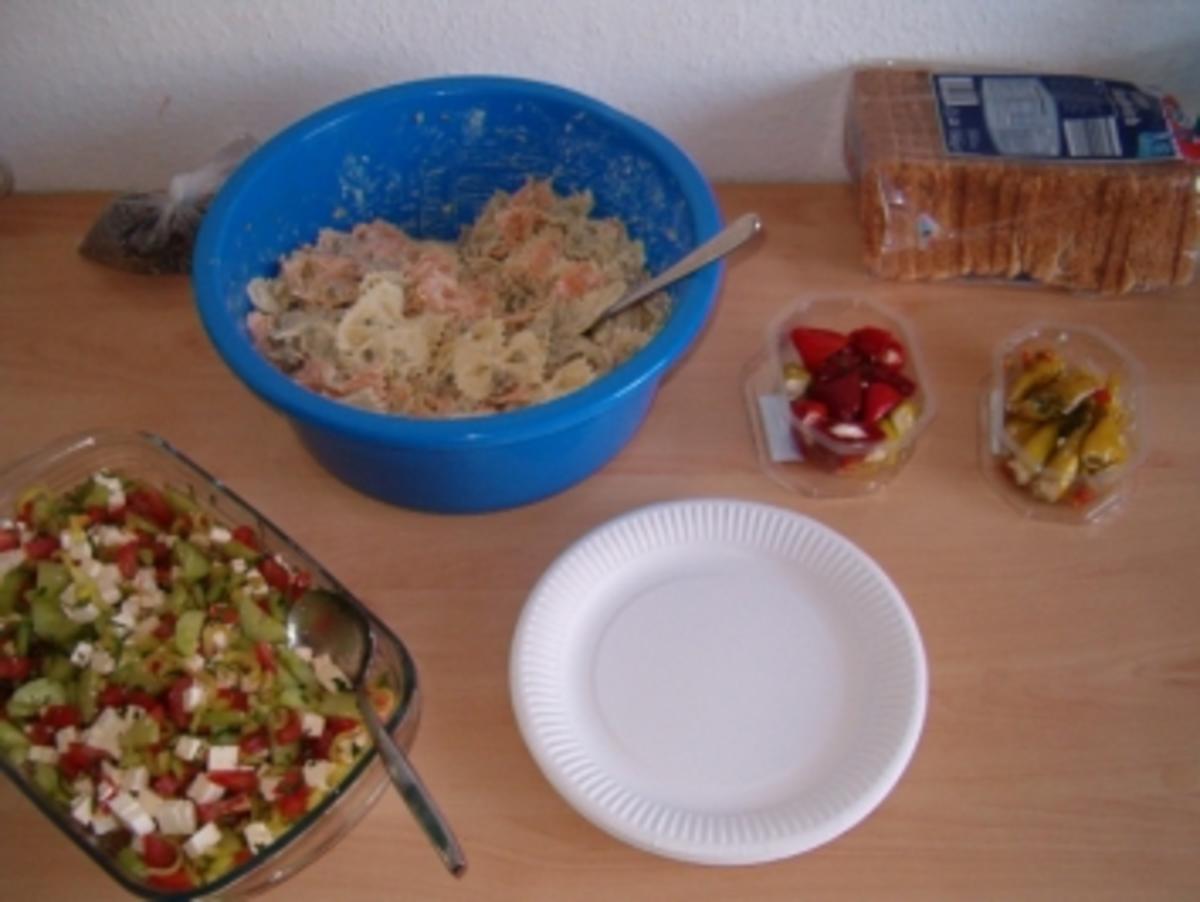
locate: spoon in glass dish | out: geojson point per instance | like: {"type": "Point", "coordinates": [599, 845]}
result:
{"type": "Point", "coordinates": [732, 236]}
{"type": "Point", "coordinates": [328, 624]}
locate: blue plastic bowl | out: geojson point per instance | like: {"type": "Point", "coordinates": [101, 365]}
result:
{"type": "Point", "coordinates": [427, 155]}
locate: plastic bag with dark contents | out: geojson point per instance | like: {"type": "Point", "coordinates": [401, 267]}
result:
{"type": "Point", "coordinates": [153, 232]}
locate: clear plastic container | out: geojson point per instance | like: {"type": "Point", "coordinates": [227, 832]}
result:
{"type": "Point", "coordinates": [71, 460]}
{"type": "Point", "coordinates": [810, 456]}
{"type": "Point", "coordinates": [1049, 458]}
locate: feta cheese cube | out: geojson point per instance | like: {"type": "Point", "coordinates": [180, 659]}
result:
{"type": "Point", "coordinates": [202, 790]}
{"type": "Point", "coordinates": [75, 544]}
{"type": "Point", "coordinates": [82, 654]}
{"type": "Point", "coordinates": [131, 814]}
{"type": "Point", "coordinates": [83, 614]}
{"type": "Point", "coordinates": [127, 618]}
{"type": "Point", "coordinates": [193, 697]}
{"type": "Point", "coordinates": [316, 774]}
{"type": "Point", "coordinates": [268, 787]}
{"type": "Point", "coordinates": [83, 786]}
{"type": "Point", "coordinates": [112, 485]}
{"type": "Point", "coordinates": [202, 840]}
{"type": "Point", "coordinates": [103, 823]}
{"type": "Point", "coordinates": [219, 639]}
{"type": "Point", "coordinates": [257, 584]}
{"type": "Point", "coordinates": [223, 757]}
{"type": "Point", "coordinates": [220, 535]}
{"type": "Point", "coordinates": [111, 773]}
{"type": "Point", "coordinates": [238, 565]}
{"type": "Point", "coordinates": [176, 817]}
{"type": "Point", "coordinates": [105, 733]}
{"type": "Point", "coordinates": [64, 737]}
{"type": "Point", "coordinates": [108, 536]}
{"type": "Point", "coordinates": [43, 754]}
{"type": "Point", "coordinates": [146, 626]}
{"type": "Point", "coordinates": [81, 809]}
{"type": "Point", "coordinates": [135, 779]}
{"type": "Point", "coordinates": [108, 581]}
{"type": "Point", "coordinates": [105, 791]}
{"type": "Point", "coordinates": [102, 662]}
{"type": "Point", "coordinates": [189, 747]}
{"type": "Point", "coordinates": [258, 836]}
{"type": "Point", "coordinates": [329, 674]}
{"type": "Point", "coordinates": [151, 801]}
{"type": "Point", "coordinates": [92, 569]}
{"type": "Point", "coordinates": [312, 724]}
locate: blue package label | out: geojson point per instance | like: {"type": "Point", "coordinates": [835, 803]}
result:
{"type": "Point", "coordinates": [1057, 117]}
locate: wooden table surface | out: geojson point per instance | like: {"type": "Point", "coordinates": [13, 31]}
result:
{"type": "Point", "coordinates": [1061, 751]}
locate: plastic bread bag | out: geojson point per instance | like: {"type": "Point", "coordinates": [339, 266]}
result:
{"type": "Point", "coordinates": [153, 232]}
{"type": "Point", "coordinates": [1071, 181]}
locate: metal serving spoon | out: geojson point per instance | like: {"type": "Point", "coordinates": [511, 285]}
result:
{"type": "Point", "coordinates": [327, 623]}
{"type": "Point", "coordinates": [732, 236]}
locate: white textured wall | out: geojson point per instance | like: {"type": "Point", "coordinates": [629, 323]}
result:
{"type": "Point", "coordinates": [120, 93]}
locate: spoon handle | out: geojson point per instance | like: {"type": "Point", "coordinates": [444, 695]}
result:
{"type": "Point", "coordinates": [413, 791]}
{"type": "Point", "coordinates": [737, 233]}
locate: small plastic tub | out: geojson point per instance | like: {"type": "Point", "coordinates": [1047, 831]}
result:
{"type": "Point", "coordinates": [1061, 423]}
{"type": "Point", "coordinates": [839, 396]}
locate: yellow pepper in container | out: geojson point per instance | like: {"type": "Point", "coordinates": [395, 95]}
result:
{"type": "Point", "coordinates": [1060, 425]}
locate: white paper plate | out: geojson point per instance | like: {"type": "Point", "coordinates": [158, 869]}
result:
{"type": "Point", "coordinates": [718, 681]}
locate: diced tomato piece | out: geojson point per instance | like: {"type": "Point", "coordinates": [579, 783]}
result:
{"type": "Point", "coordinates": [815, 346]}
{"type": "Point", "coordinates": [40, 547]}
{"type": "Point", "coordinates": [224, 613]}
{"type": "Point", "coordinates": [79, 759]}
{"type": "Point", "coordinates": [15, 667]}
{"type": "Point", "coordinates": [9, 539]}
{"type": "Point", "coordinates": [59, 716]}
{"type": "Point", "coordinates": [111, 696]}
{"type": "Point", "coordinates": [275, 574]}
{"type": "Point", "coordinates": [150, 503]}
{"type": "Point", "coordinates": [176, 881]}
{"type": "Point", "coordinates": [222, 808]}
{"type": "Point", "coordinates": [140, 698]}
{"type": "Point", "coordinates": [127, 560]}
{"type": "Point", "coordinates": [255, 744]}
{"type": "Point", "coordinates": [159, 852]}
{"type": "Point", "coordinates": [236, 698]}
{"type": "Point", "coordinates": [235, 780]}
{"type": "Point", "coordinates": [246, 536]}
{"type": "Point", "coordinates": [167, 785]}
{"type": "Point", "coordinates": [1102, 397]}
{"type": "Point", "coordinates": [166, 627]}
{"type": "Point", "coordinates": [265, 655]}
{"type": "Point", "coordinates": [241, 857]}
{"type": "Point", "coordinates": [41, 733]}
{"type": "Point", "coordinates": [337, 725]}
{"type": "Point", "coordinates": [180, 716]}
{"type": "Point", "coordinates": [294, 804]}
{"type": "Point", "coordinates": [301, 583]}
{"type": "Point", "coordinates": [290, 731]}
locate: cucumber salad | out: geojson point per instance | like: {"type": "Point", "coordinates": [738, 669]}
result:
{"type": "Point", "coordinates": [146, 684]}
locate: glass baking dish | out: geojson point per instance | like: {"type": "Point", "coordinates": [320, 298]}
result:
{"type": "Point", "coordinates": [69, 461]}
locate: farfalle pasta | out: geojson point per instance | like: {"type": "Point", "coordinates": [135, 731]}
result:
{"type": "Point", "coordinates": [391, 323]}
